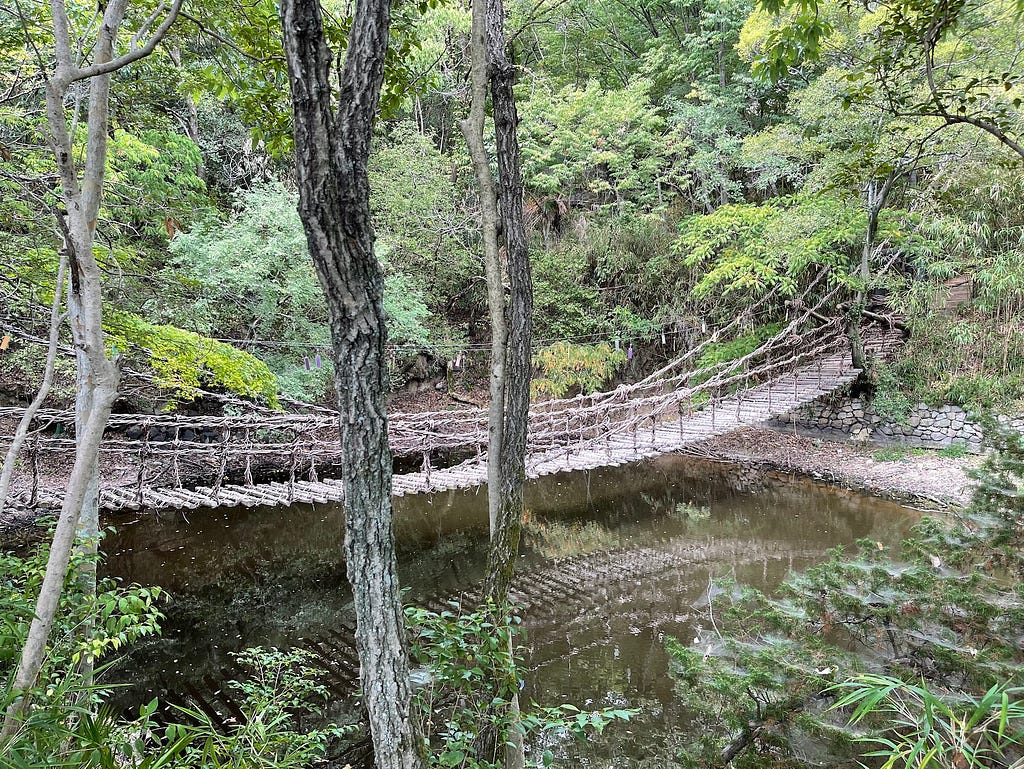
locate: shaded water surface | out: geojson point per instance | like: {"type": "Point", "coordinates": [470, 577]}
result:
{"type": "Point", "coordinates": [646, 538]}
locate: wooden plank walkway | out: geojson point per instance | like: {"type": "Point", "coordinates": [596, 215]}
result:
{"type": "Point", "coordinates": [749, 407]}
{"type": "Point", "coordinates": [618, 446]}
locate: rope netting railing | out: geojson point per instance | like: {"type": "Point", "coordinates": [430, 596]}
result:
{"type": "Point", "coordinates": [409, 434]}
{"type": "Point", "coordinates": [769, 381]}
{"type": "Point", "coordinates": [176, 451]}
{"type": "Point", "coordinates": [598, 418]}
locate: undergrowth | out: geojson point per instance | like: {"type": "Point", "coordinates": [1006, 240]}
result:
{"type": "Point", "coordinates": [968, 360]}
{"type": "Point", "coordinates": [936, 620]}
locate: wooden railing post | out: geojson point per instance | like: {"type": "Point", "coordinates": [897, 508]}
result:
{"type": "Point", "coordinates": [291, 469]}
{"type": "Point", "coordinates": [248, 453]}
{"type": "Point", "coordinates": [223, 468]}
{"type": "Point", "coordinates": [633, 424]}
{"type": "Point", "coordinates": [143, 457]}
{"type": "Point", "coordinates": [34, 452]}
{"type": "Point", "coordinates": [175, 446]}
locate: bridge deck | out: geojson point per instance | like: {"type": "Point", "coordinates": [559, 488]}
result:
{"type": "Point", "coordinates": [753, 406]}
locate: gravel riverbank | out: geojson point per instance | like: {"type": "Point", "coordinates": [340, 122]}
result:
{"type": "Point", "coordinates": [923, 478]}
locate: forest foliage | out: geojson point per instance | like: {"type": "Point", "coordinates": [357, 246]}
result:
{"type": "Point", "coordinates": [908, 654]}
{"type": "Point", "coordinates": [681, 159]}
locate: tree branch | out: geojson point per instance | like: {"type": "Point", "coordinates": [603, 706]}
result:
{"type": "Point", "coordinates": [105, 68]}
{"type": "Point", "coordinates": [943, 112]}
{"type": "Point", "coordinates": [204, 29]}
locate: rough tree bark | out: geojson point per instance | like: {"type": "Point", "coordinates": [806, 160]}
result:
{"type": "Point", "coordinates": [501, 210]}
{"type": "Point", "coordinates": [511, 366]}
{"type": "Point", "coordinates": [505, 535]}
{"type": "Point", "coordinates": [98, 376]}
{"type": "Point", "coordinates": [518, 363]}
{"type": "Point", "coordinates": [332, 151]}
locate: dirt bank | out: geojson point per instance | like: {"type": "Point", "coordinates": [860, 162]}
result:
{"type": "Point", "coordinates": [923, 478]}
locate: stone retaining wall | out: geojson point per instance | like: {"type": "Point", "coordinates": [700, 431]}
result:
{"type": "Point", "coordinates": [924, 427]}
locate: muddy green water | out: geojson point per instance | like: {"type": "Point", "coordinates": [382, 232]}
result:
{"type": "Point", "coordinates": [273, 576]}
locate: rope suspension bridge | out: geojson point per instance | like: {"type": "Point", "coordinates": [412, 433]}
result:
{"type": "Point", "coordinates": [182, 462]}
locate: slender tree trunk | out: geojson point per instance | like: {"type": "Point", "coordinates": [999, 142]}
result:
{"type": "Point", "coordinates": [518, 362]}
{"type": "Point", "coordinates": [97, 379]}
{"type": "Point", "coordinates": [875, 197]}
{"type": "Point", "coordinates": [98, 383]}
{"type": "Point", "coordinates": [511, 364]}
{"type": "Point", "coordinates": [473, 130]}
{"type": "Point", "coordinates": [44, 388]}
{"type": "Point", "coordinates": [98, 376]}
{"type": "Point", "coordinates": [332, 152]}
{"type": "Point", "coordinates": [723, 74]}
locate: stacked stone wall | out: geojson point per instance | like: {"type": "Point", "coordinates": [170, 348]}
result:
{"type": "Point", "coordinates": [924, 427]}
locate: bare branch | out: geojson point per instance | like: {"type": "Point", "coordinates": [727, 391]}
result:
{"type": "Point", "coordinates": [537, 15]}
{"type": "Point", "coordinates": [143, 29]}
{"type": "Point", "coordinates": [105, 68]}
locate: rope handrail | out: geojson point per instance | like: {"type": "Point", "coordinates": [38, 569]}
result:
{"type": "Point", "coordinates": [403, 428]}
{"type": "Point", "coordinates": [327, 418]}
{"type": "Point", "coordinates": [412, 428]}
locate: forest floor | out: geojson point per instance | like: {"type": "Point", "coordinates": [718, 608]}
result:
{"type": "Point", "coordinates": [916, 477]}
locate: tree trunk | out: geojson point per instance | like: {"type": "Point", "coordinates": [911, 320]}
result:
{"type": "Point", "coordinates": [98, 379]}
{"type": "Point", "coordinates": [44, 388]}
{"type": "Point", "coordinates": [511, 364]}
{"type": "Point", "coordinates": [473, 130]}
{"type": "Point", "coordinates": [98, 376]}
{"type": "Point", "coordinates": [332, 151]}
{"type": "Point", "coordinates": [511, 456]}
{"type": "Point", "coordinates": [875, 197]}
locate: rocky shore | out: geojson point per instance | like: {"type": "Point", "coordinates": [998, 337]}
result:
{"type": "Point", "coordinates": [921, 478]}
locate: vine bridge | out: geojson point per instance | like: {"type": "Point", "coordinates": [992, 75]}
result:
{"type": "Point", "coordinates": [181, 462]}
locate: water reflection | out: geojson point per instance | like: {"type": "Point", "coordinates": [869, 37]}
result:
{"type": "Point", "coordinates": [273, 576]}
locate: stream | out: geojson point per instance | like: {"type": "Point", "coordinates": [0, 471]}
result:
{"type": "Point", "coordinates": [613, 562]}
